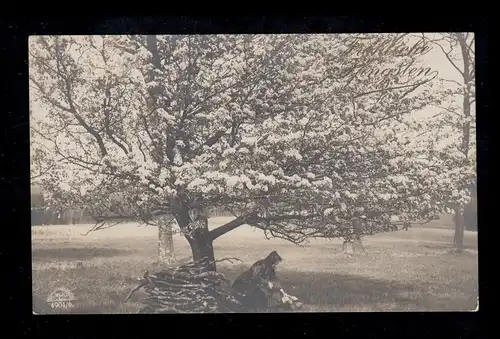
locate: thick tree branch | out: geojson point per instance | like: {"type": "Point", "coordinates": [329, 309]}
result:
{"type": "Point", "coordinates": [213, 139]}
{"type": "Point", "coordinates": [221, 230]}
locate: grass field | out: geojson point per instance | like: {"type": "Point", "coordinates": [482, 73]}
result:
{"type": "Point", "coordinates": [402, 271]}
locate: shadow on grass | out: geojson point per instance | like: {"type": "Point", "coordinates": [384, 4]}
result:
{"type": "Point", "coordinates": [326, 289]}
{"type": "Point", "coordinates": [337, 292]}
{"type": "Point", "coordinates": [73, 253]}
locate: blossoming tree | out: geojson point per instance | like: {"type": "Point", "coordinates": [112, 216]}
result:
{"type": "Point", "coordinates": [454, 123]}
{"type": "Point", "coordinates": [298, 135]}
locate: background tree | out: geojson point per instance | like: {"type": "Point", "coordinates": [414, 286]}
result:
{"type": "Point", "coordinates": [166, 252]}
{"type": "Point", "coordinates": [456, 124]}
{"type": "Point", "coordinates": [297, 135]}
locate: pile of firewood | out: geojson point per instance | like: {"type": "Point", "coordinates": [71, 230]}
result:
{"type": "Point", "coordinates": [190, 288]}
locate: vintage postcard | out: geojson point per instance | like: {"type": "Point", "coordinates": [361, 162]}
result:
{"type": "Point", "coordinates": [253, 173]}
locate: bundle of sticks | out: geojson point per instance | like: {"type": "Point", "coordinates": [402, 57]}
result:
{"type": "Point", "coordinates": [190, 288]}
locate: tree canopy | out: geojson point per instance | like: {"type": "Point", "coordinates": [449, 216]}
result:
{"type": "Point", "coordinates": [298, 135]}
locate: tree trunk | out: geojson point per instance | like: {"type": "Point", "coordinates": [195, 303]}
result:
{"type": "Point", "coordinates": [356, 242]}
{"type": "Point", "coordinates": [195, 228]}
{"type": "Point", "coordinates": [356, 246]}
{"type": "Point", "coordinates": [165, 240]}
{"type": "Point", "coordinates": [202, 247]}
{"type": "Point", "coordinates": [458, 239]}
{"type": "Point", "coordinates": [166, 253]}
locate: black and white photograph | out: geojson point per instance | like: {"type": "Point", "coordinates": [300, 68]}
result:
{"type": "Point", "coordinates": [253, 173]}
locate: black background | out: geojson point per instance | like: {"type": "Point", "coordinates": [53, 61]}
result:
{"type": "Point", "coordinates": [15, 190]}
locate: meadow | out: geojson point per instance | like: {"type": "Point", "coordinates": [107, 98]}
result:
{"type": "Point", "coordinates": [412, 270]}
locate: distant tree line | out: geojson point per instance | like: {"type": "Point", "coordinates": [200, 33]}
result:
{"type": "Point", "coordinates": [41, 214]}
